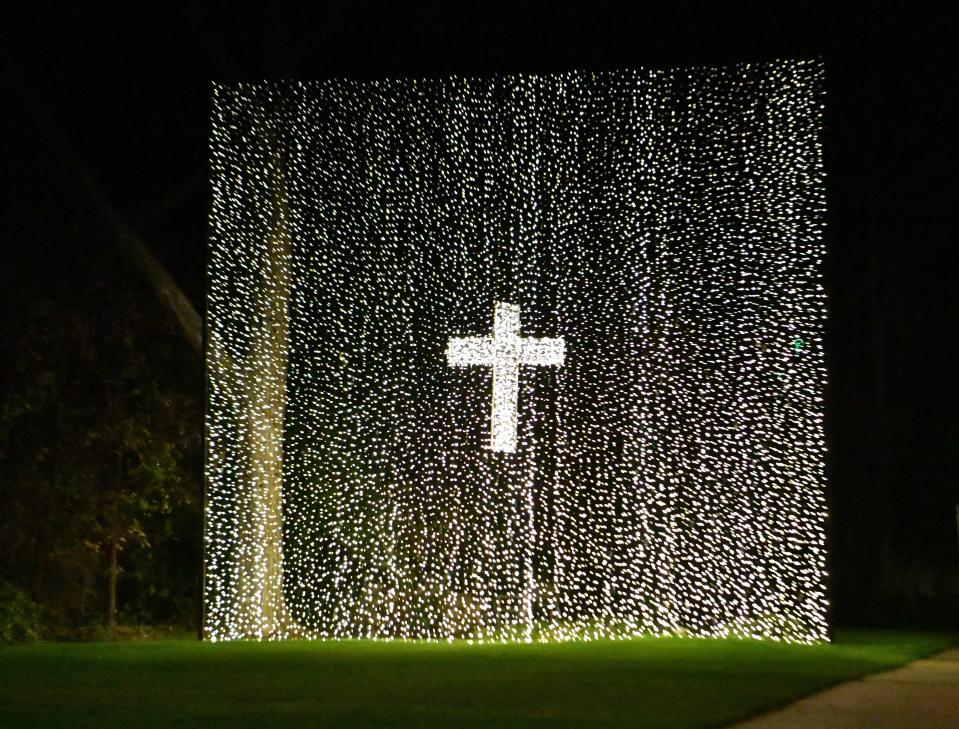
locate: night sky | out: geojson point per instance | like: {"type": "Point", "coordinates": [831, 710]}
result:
{"type": "Point", "coordinates": [126, 92]}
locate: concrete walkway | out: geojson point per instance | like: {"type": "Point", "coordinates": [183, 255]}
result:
{"type": "Point", "coordinates": [921, 695]}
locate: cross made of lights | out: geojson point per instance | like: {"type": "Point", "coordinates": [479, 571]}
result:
{"type": "Point", "coordinates": [505, 351]}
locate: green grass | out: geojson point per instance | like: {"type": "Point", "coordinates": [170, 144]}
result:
{"type": "Point", "coordinates": [653, 682]}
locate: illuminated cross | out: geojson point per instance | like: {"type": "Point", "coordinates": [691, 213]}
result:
{"type": "Point", "coordinates": [505, 351]}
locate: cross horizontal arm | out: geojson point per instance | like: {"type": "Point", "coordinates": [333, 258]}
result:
{"type": "Point", "coordinates": [543, 351]}
{"type": "Point", "coordinates": [466, 351]}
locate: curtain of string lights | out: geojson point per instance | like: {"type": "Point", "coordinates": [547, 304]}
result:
{"type": "Point", "coordinates": [518, 358]}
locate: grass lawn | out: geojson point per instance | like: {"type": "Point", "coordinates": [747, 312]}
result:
{"type": "Point", "coordinates": [651, 682]}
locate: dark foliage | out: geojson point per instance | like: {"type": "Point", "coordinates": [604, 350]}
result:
{"type": "Point", "coordinates": [99, 433]}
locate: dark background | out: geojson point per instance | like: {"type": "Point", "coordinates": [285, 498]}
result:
{"type": "Point", "coordinates": [124, 94]}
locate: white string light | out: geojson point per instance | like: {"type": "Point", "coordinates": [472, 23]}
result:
{"type": "Point", "coordinates": [661, 233]}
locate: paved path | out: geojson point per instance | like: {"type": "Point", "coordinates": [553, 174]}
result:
{"type": "Point", "coordinates": [921, 695]}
